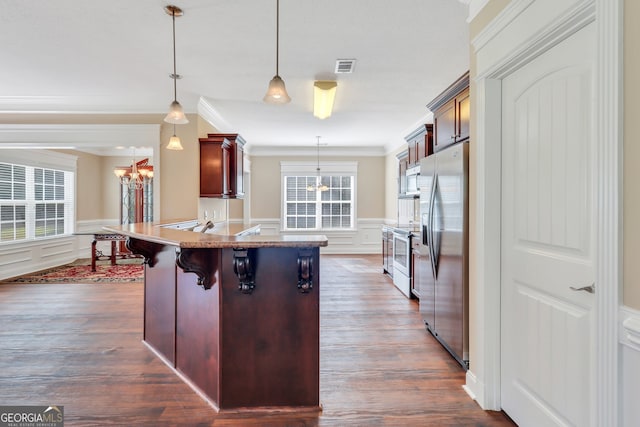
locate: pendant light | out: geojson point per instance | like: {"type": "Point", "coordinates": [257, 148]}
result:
{"type": "Point", "coordinates": [174, 141]}
{"type": "Point", "coordinates": [276, 92]}
{"type": "Point", "coordinates": [176, 114]}
{"type": "Point", "coordinates": [319, 186]}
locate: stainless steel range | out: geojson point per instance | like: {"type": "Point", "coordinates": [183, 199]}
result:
{"type": "Point", "coordinates": [402, 261]}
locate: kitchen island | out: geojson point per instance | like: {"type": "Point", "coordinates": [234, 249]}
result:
{"type": "Point", "coordinates": [234, 313]}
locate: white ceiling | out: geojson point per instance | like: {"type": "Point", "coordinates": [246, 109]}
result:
{"type": "Point", "coordinates": [70, 56]}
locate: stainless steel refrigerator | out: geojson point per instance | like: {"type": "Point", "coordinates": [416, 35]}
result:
{"type": "Point", "coordinates": [444, 248]}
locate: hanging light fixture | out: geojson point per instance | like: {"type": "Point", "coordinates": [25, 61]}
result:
{"type": "Point", "coordinates": [276, 92]}
{"type": "Point", "coordinates": [136, 175]}
{"type": "Point", "coordinates": [318, 185]}
{"type": "Point", "coordinates": [176, 114]}
{"type": "Point", "coordinates": [174, 141]}
{"type": "Point", "coordinates": [324, 93]}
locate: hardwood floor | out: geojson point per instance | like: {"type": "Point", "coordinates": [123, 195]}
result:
{"type": "Point", "coordinates": [80, 346]}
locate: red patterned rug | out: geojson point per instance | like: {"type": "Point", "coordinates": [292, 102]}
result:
{"type": "Point", "coordinates": [73, 273]}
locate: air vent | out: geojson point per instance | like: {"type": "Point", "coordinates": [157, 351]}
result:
{"type": "Point", "coordinates": [344, 66]}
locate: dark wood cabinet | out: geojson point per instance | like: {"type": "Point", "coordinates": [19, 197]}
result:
{"type": "Point", "coordinates": [222, 166]}
{"type": "Point", "coordinates": [451, 112]}
{"type": "Point", "coordinates": [419, 144]}
{"type": "Point", "coordinates": [463, 106]}
{"type": "Point", "coordinates": [403, 165]}
{"type": "Point", "coordinates": [238, 350]}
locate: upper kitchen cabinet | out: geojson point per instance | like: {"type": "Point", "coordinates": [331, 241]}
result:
{"type": "Point", "coordinates": [451, 111]}
{"type": "Point", "coordinates": [221, 166]}
{"type": "Point", "coordinates": [419, 144]}
{"type": "Point", "coordinates": [403, 165]}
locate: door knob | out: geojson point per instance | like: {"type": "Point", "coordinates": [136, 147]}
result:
{"type": "Point", "coordinates": [591, 288]}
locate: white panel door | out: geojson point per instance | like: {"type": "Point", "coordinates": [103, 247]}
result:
{"type": "Point", "coordinates": [548, 236]}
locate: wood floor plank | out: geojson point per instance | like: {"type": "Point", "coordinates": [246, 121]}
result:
{"type": "Point", "coordinates": [79, 345]}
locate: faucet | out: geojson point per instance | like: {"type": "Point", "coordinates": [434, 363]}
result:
{"type": "Point", "coordinates": [207, 226]}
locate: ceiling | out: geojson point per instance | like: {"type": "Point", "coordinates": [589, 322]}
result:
{"type": "Point", "coordinates": [90, 57]}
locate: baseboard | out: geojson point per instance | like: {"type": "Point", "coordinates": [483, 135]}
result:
{"type": "Point", "coordinates": [629, 338]}
{"type": "Point", "coordinates": [630, 328]}
{"type": "Point", "coordinates": [21, 258]}
{"type": "Point", "coordinates": [473, 388]}
{"type": "Point", "coordinates": [24, 257]}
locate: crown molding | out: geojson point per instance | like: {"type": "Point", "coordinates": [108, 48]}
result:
{"type": "Point", "coordinates": [508, 14]}
{"type": "Point", "coordinates": [55, 136]}
{"type": "Point", "coordinates": [312, 150]}
{"type": "Point", "coordinates": [78, 104]}
{"type": "Point", "coordinates": [475, 7]}
{"type": "Point", "coordinates": [211, 115]}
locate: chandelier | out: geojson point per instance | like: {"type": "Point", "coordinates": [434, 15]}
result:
{"type": "Point", "coordinates": [136, 175]}
{"type": "Point", "coordinates": [318, 185]}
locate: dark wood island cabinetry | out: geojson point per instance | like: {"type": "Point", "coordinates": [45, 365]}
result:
{"type": "Point", "coordinates": [235, 315]}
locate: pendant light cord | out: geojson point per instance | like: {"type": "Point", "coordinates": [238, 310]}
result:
{"type": "Point", "coordinates": [277, 36]}
{"type": "Point", "coordinates": [318, 167]}
{"type": "Point", "coordinates": [175, 75]}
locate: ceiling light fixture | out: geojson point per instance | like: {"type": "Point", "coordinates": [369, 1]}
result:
{"type": "Point", "coordinates": [277, 92]}
{"type": "Point", "coordinates": [324, 94]}
{"type": "Point", "coordinates": [174, 141]}
{"type": "Point", "coordinates": [135, 176]}
{"type": "Point", "coordinates": [318, 185]}
{"type": "Point", "coordinates": [176, 113]}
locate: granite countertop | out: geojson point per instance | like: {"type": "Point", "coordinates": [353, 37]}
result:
{"type": "Point", "coordinates": [223, 235]}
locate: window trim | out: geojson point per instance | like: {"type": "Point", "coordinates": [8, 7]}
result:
{"type": "Point", "coordinates": [327, 168]}
{"type": "Point", "coordinates": [45, 159]}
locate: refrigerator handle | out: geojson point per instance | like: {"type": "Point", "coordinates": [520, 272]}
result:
{"type": "Point", "coordinates": [424, 231]}
{"type": "Point", "coordinates": [432, 253]}
{"type": "Point", "coordinates": [435, 241]}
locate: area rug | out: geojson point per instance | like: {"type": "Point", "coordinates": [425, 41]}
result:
{"type": "Point", "coordinates": [80, 273]}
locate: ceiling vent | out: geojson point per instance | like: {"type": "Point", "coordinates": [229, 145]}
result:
{"type": "Point", "coordinates": [345, 66]}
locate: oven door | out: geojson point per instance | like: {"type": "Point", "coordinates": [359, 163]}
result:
{"type": "Point", "coordinates": [402, 263]}
{"type": "Point", "coordinates": [401, 253]}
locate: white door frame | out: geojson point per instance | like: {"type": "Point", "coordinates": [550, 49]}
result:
{"type": "Point", "coordinates": [521, 32]}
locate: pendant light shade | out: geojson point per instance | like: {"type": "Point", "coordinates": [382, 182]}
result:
{"type": "Point", "coordinates": [176, 114]}
{"type": "Point", "coordinates": [174, 141]}
{"type": "Point", "coordinates": [276, 92]}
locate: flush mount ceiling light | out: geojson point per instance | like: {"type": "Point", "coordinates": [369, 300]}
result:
{"type": "Point", "coordinates": [276, 92]}
{"type": "Point", "coordinates": [174, 141]}
{"type": "Point", "coordinates": [176, 114]}
{"type": "Point", "coordinates": [324, 93]}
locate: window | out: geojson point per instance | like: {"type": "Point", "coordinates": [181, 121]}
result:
{"type": "Point", "coordinates": [308, 208]}
{"type": "Point", "coordinates": [13, 202]}
{"type": "Point", "coordinates": [49, 196]}
{"type": "Point", "coordinates": [35, 202]}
